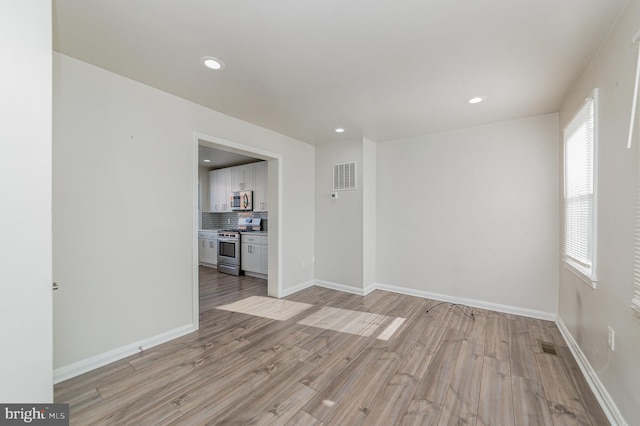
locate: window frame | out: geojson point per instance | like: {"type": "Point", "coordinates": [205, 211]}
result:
{"type": "Point", "coordinates": [586, 274]}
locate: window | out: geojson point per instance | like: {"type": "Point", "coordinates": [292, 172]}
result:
{"type": "Point", "coordinates": [580, 191]}
{"type": "Point", "coordinates": [635, 302]}
{"type": "Point", "coordinates": [633, 125]}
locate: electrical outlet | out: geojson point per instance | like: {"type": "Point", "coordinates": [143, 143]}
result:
{"type": "Point", "coordinates": [611, 339]}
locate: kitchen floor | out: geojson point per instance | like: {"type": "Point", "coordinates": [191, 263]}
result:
{"type": "Point", "coordinates": [326, 357]}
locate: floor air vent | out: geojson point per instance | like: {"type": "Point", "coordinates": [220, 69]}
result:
{"type": "Point", "coordinates": [548, 348]}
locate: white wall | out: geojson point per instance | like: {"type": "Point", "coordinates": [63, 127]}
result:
{"type": "Point", "coordinates": [338, 224]}
{"type": "Point", "coordinates": [369, 212]}
{"type": "Point", "coordinates": [473, 213]}
{"type": "Point", "coordinates": [205, 197]}
{"type": "Point", "coordinates": [123, 207]}
{"type": "Point", "coordinates": [586, 312]}
{"type": "Point", "coordinates": [25, 185]}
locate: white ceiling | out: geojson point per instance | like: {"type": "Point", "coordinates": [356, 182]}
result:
{"type": "Point", "coordinates": [219, 158]}
{"type": "Point", "coordinates": [381, 69]}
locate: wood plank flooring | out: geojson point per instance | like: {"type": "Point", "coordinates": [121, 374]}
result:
{"type": "Point", "coordinates": [437, 367]}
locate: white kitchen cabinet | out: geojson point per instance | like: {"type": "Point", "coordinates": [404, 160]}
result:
{"type": "Point", "coordinates": [241, 178]}
{"type": "Point", "coordinates": [208, 248]}
{"type": "Point", "coordinates": [222, 182]}
{"type": "Point", "coordinates": [211, 251]}
{"type": "Point", "coordinates": [236, 178]}
{"type": "Point", "coordinates": [224, 189]}
{"type": "Point", "coordinates": [253, 256]}
{"type": "Point", "coordinates": [208, 252]}
{"type": "Point", "coordinates": [213, 192]}
{"type": "Point", "coordinates": [250, 257]}
{"type": "Point", "coordinates": [219, 187]}
{"type": "Point", "coordinates": [249, 181]}
{"type": "Point", "coordinates": [201, 248]}
{"type": "Point", "coordinates": [260, 187]}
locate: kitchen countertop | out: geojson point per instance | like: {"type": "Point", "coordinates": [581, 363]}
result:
{"type": "Point", "coordinates": [242, 232]}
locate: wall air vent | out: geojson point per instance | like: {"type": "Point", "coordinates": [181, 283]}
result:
{"type": "Point", "coordinates": [344, 176]}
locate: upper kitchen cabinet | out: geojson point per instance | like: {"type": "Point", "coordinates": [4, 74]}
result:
{"type": "Point", "coordinates": [219, 187]}
{"type": "Point", "coordinates": [213, 192]}
{"type": "Point", "coordinates": [249, 177]}
{"type": "Point", "coordinates": [260, 188]}
{"type": "Point", "coordinates": [242, 177]}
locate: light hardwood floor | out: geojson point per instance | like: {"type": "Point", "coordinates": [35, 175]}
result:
{"type": "Point", "coordinates": [438, 367]}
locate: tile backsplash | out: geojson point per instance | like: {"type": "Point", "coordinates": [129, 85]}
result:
{"type": "Point", "coordinates": [230, 219]}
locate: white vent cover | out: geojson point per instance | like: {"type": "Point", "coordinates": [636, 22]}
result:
{"type": "Point", "coordinates": [344, 176]}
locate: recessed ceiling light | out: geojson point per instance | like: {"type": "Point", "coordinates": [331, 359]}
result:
{"type": "Point", "coordinates": [339, 130]}
{"type": "Point", "coordinates": [476, 100]}
{"type": "Point", "coordinates": [207, 161]}
{"type": "Point", "coordinates": [212, 63]}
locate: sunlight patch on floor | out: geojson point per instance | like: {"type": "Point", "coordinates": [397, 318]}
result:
{"type": "Point", "coordinates": [267, 307]}
{"type": "Point", "coordinates": [347, 321]}
{"type": "Point", "coordinates": [328, 318]}
{"type": "Point", "coordinates": [391, 328]}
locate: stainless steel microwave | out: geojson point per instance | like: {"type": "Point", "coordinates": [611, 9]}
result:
{"type": "Point", "coordinates": [241, 201]}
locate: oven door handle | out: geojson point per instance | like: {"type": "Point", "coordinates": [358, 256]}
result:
{"type": "Point", "coordinates": [228, 240]}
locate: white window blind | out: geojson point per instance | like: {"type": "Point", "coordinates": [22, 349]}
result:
{"type": "Point", "coordinates": [579, 190]}
{"type": "Point", "coordinates": [635, 302]}
{"type": "Point", "coordinates": [633, 136]}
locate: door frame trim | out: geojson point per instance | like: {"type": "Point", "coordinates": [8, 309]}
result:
{"type": "Point", "coordinates": [275, 190]}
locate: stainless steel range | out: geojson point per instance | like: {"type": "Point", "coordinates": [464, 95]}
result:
{"type": "Point", "coordinates": [229, 251]}
{"type": "Point", "coordinates": [229, 245]}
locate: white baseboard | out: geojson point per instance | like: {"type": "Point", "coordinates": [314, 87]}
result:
{"type": "Point", "coordinates": [606, 402]}
{"type": "Point", "coordinates": [72, 370]}
{"type": "Point", "coordinates": [532, 313]}
{"type": "Point", "coordinates": [345, 288]}
{"type": "Point", "coordinates": [302, 286]}
{"type": "Point", "coordinates": [481, 304]}
{"type": "Point", "coordinates": [256, 275]}
{"type": "Point", "coordinates": [368, 289]}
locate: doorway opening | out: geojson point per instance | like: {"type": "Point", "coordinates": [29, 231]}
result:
{"type": "Point", "coordinates": [231, 152]}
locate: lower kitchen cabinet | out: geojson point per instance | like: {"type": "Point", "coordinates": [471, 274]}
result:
{"type": "Point", "coordinates": [253, 254]}
{"type": "Point", "coordinates": [208, 251]}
